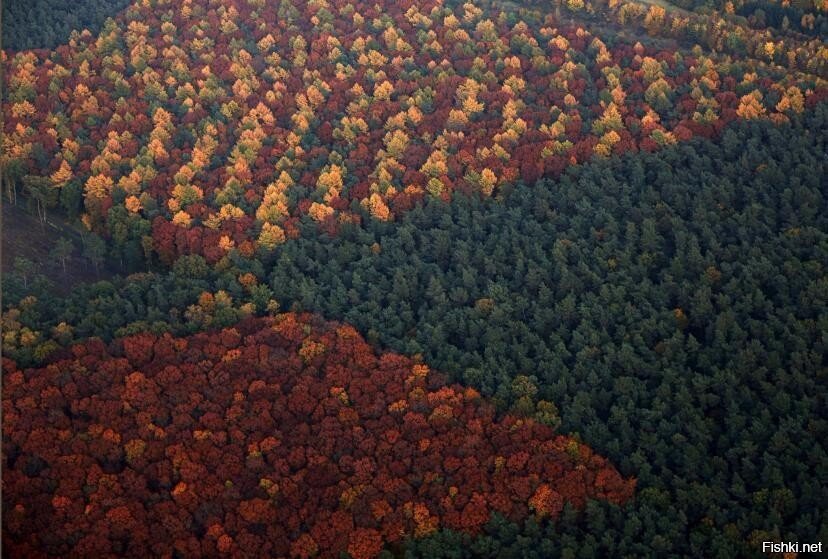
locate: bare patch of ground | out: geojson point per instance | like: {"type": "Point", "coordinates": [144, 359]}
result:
{"type": "Point", "coordinates": [24, 236]}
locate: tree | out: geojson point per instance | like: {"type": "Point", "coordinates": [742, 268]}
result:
{"type": "Point", "coordinates": [750, 106]}
{"type": "Point", "coordinates": [94, 249]}
{"type": "Point", "coordinates": [43, 192]}
{"type": "Point", "coordinates": [25, 268]}
{"type": "Point", "coordinates": [62, 251]}
{"type": "Point", "coordinates": [12, 170]}
{"type": "Point", "coordinates": [63, 175]}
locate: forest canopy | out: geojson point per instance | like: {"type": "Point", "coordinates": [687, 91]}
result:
{"type": "Point", "coordinates": [649, 303]}
{"type": "Point", "coordinates": [46, 24]}
{"type": "Point", "coordinates": [286, 436]}
{"type": "Point", "coordinates": [603, 223]}
{"type": "Point", "coordinates": [168, 140]}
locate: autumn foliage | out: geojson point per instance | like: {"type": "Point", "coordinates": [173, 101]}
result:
{"type": "Point", "coordinates": [216, 123]}
{"type": "Point", "coordinates": [284, 436]}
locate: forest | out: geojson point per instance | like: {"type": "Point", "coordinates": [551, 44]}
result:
{"type": "Point", "coordinates": [577, 266]}
{"type": "Point", "coordinates": [45, 24]}
{"type": "Point", "coordinates": [319, 446]}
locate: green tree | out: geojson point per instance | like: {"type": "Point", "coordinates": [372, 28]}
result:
{"type": "Point", "coordinates": [94, 249]}
{"type": "Point", "coordinates": [42, 192]}
{"type": "Point", "coordinates": [62, 251]}
{"type": "Point", "coordinates": [24, 268]}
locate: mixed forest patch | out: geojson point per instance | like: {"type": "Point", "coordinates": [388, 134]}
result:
{"type": "Point", "coordinates": [198, 128]}
{"type": "Point", "coordinates": [671, 305]}
{"type": "Point", "coordinates": [607, 218]}
{"type": "Point", "coordinates": [277, 437]}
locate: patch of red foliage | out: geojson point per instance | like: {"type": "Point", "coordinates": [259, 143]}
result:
{"type": "Point", "coordinates": [283, 436]}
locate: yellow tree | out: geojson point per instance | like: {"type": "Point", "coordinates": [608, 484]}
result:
{"type": "Point", "coordinates": [750, 106]}
{"type": "Point", "coordinates": [610, 120]}
{"type": "Point", "coordinates": [604, 145]}
{"type": "Point", "coordinates": [182, 219]}
{"type": "Point", "coordinates": [435, 165]}
{"type": "Point", "coordinates": [376, 205]}
{"type": "Point", "coordinates": [487, 182]}
{"type": "Point", "coordinates": [329, 183]}
{"type": "Point", "coordinates": [271, 236]}
{"type": "Point", "coordinates": [792, 100]}
{"type": "Point", "coordinates": [654, 19]}
{"type": "Point", "coordinates": [320, 212]}
{"type": "Point", "coordinates": [96, 189]}
{"type": "Point", "coordinates": [395, 143]}
{"type": "Point", "coordinates": [652, 69]}
{"type": "Point", "coordinates": [62, 175]}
